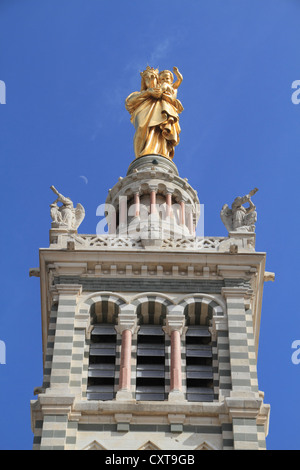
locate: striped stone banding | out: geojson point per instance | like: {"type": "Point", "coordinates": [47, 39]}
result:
{"type": "Point", "coordinates": [63, 341]}
{"type": "Point", "coordinates": [242, 348]}
{"type": "Point", "coordinates": [200, 310]}
{"type": "Point", "coordinates": [151, 310]}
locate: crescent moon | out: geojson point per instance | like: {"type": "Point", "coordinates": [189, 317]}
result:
{"type": "Point", "coordinates": [84, 179]}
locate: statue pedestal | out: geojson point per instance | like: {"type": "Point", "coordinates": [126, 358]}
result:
{"type": "Point", "coordinates": [56, 234]}
{"type": "Point", "coordinates": [238, 242]}
{"type": "Point", "coordinates": [150, 162]}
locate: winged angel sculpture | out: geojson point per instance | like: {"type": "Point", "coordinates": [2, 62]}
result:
{"type": "Point", "coordinates": [66, 216]}
{"type": "Point", "coordinates": [240, 218]}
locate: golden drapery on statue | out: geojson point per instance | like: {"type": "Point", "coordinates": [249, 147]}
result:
{"type": "Point", "coordinates": [155, 113]}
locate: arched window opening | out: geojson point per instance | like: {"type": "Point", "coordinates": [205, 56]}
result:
{"type": "Point", "coordinates": [199, 370]}
{"type": "Point", "coordinates": [102, 356]}
{"type": "Point", "coordinates": [150, 367]}
{"type": "Point", "coordinates": [150, 357]}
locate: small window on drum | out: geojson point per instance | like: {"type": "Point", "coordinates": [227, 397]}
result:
{"type": "Point", "coordinates": [199, 371]}
{"type": "Point", "coordinates": [102, 361]}
{"type": "Point", "coordinates": [150, 368]}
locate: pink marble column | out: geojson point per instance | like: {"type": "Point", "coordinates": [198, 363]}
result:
{"type": "Point", "coordinates": [153, 202]}
{"type": "Point", "coordinates": [125, 366]}
{"type": "Point", "coordinates": [176, 379]}
{"type": "Point", "coordinates": [182, 213]}
{"type": "Point", "coordinates": [137, 204]}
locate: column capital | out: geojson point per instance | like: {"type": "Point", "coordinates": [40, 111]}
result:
{"type": "Point", "coordinates": [236, 293]}
{"type": "Point", "coordinates": [184, 200]}
{"type": "Point", "coordinates": [67, 289]}
{"type": "Point", "coordinates": [219, 324]}
{"type": "Point", "coordinates": [127, 320]}
{"type": "Point", "coordinates": [175, 323]}
{"type": "Point", "coordinates": [126, 325]}
{"type": "Point", "coordinates": [175, 319]}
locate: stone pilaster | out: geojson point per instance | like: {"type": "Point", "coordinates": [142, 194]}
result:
{"type": "Point", "coordinates": [55, 410]}
{"type": "Point", "coordinates": [241, 342]}
{"type": "Point", "coordinates": [244, 403]}
{"type": "Point", "coordinates": [245, 416]}
{"type": "Point", "coordinates": [64, 337]}
{"type": "Point", "coordinates": [220, 338]}
{"type": "Point", "coordinates": [50, 345]}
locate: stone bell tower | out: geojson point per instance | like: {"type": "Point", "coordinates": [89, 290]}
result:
{"type": "Point", "coordinates": [150, 333]}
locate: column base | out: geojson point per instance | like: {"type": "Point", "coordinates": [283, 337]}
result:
{"type": "Point", "coordinates": [124, 395]}
{"type": "Point", "coordinates": [176, 396]}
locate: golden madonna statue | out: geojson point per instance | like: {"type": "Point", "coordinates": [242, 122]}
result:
{"type": "Point", "coordinates": [155, 113]}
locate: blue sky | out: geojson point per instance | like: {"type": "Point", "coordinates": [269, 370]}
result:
{"type": "Point", "coordinates": [68, 67]}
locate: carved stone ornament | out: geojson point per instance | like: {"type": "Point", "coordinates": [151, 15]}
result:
{"type": "Point", "coordinates": [66, 216]}
{"type": "Point", "coordinates": [240, 218]}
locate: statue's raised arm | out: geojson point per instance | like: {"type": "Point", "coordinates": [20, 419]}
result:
{"type": "Point", "coordinates": [178, 76]}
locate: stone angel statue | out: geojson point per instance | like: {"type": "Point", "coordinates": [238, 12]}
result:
{"type": "Point", "coordinates": [240, 218]}
{"type": "Point", "coordinates": [66, 216]}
